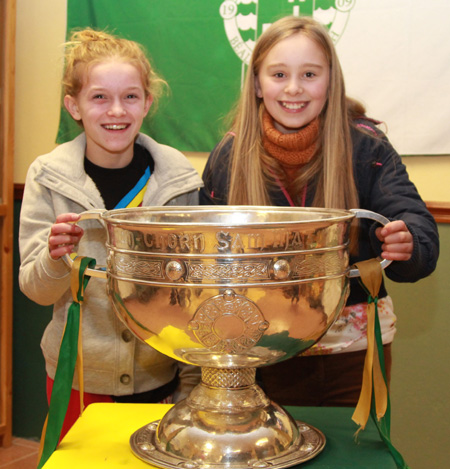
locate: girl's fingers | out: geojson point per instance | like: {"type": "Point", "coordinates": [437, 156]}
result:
{"type": "Point", "coordinates": [59, 251]}
{"type": "Point", "coordinates": [60, 228]}
{"type": "Point", "coordinates": [61, 240]}
{"type": "Point", "coordinates": [396, 256]}
{"type": "Point", "coordinates": [67, 217]}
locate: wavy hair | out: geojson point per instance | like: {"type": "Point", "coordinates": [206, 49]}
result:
{"type": "Point", "coordinates": [88, 47]}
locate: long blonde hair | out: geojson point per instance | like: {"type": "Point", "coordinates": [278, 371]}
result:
{"type": "Point", "coordinates": [252, 170]}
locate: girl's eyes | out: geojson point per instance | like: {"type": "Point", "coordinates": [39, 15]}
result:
{"type": "Point", "coordinates": [102, 96]}
{"type": "Point", "coordinates": [283, 75]}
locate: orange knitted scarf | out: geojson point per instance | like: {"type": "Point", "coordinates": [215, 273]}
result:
{"type": "Point", "coordinates": [291, 150]}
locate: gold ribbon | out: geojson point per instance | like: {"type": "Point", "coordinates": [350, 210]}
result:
{"type": "Point", "coordinates": [373, 380]}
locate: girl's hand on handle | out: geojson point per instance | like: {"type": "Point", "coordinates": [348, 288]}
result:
{"type": "Point", "coordinates": [64, 235]}
{"type": "Point", "coordinates": [397, 241]}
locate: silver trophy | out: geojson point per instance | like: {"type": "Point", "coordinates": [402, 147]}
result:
{"type": "Point", "coordinates": [228, 289]}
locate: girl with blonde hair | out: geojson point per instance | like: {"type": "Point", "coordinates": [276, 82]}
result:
{"type": "Point", "coordinates": [109, 87]}
{"type": "Point", "coordinates": [297, 139]}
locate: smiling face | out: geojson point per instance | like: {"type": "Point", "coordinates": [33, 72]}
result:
{"type": "Point", "coordinates": [111, 106]}
{"type": "Point", "coordinates": [293, 82]}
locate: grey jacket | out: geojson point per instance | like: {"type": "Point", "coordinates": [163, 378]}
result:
{"type": "Point", "coordinates": [115, 363]}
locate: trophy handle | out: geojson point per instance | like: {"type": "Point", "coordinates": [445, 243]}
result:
{"type": "Point", "coordinates": [360, 213]}
{"type": "Point", "coordinates": [99, 271]}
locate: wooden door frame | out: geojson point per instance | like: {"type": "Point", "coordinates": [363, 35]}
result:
{"type": "Point", "coordinates": [7, 78]}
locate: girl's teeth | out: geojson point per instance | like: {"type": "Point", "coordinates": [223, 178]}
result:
{"type": "Point", "coordinates": [115, 126]}
{"type": "Point", "coordinates": [294, 105]}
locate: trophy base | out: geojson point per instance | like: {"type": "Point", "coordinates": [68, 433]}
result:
{"type": "Point", "coordinates": [144, 445]}
{"type": "Point", "coordinates": [224, 427]}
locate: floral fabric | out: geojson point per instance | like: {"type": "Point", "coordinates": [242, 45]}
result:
{"type": "Point", "coordinates": [349, 332]}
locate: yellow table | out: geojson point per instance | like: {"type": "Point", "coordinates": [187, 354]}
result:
{"type": "Point", "coordinates": [100, 438]}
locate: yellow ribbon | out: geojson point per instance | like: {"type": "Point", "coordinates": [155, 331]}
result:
{"type": "Point", "coordinates": [371, 276]}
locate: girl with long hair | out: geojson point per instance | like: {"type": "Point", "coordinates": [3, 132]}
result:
{"type": "Point", "coordinates": [297, 139]}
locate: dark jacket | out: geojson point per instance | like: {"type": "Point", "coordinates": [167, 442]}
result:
{"type": "Point", "coordinates": [383, 187]}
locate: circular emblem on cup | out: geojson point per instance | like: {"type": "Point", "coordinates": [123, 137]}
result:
{"type": "Point", "coordinates": [228, 323]}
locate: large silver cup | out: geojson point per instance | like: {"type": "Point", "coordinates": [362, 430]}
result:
{"type": "Point", "coordinates": [228, 289]}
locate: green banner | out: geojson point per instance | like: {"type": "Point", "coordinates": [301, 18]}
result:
{"type": "Point", "coordinates": [200, 47]}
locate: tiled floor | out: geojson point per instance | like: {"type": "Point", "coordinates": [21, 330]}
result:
{"type": "Point", "coordinates": [22, 454]}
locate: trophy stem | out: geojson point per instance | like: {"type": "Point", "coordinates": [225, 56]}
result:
{"type": "Point", "coordinates": [227, 422]}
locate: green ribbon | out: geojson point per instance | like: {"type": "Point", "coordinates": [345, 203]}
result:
{"type": "Point", "coordinates": [67, 359]}
{"type": "Point", "coordinates": [383, 423]}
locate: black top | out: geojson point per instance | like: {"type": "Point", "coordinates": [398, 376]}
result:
{"type": "Point", "coordinates": [383, 187]}
{"type": "Point", "coordinates": [114, 183]}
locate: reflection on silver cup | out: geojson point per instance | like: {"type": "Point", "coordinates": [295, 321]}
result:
{"type": "Point", "coordinates": [229, 289]}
